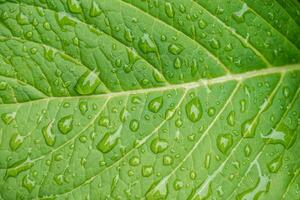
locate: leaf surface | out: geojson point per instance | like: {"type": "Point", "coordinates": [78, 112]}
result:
{"type": "Point", "coordinates": [183, 99]}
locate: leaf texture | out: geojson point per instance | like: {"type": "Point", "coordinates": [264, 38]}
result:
{"type": "Point", "coordinates": [136, 99]}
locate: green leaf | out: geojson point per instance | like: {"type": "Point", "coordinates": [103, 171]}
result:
{"type": "Point", "coordinates": [183, 99]}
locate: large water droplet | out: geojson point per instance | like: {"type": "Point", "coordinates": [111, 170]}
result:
{"type": "Point", "coordinates": [146, 44]}
{"type": "Point", "coordinates": [224, 142]}
{"type": "Point", "coordinates": [83, 107]}
{"type": "Point", "coordinates": [158, 191]}
{"type": "Point", "coordinates": [16, 141]}
{"type": "Point", "coordinates": [155, 104]}
{"type": "Point", "coordinates": [65, 124]}
{"type": "Point", "coordinates": [95, 10]}
{"type": "Point", "coordinates": [87, 83]}
{"type": "Point", "coordinates": [28, 183]}
{"type": "Point", "coordinates": [134, 125]}
{"type": "Point", "coordinates": [17, 168]}
{"type": "Point", "coordinates": [48, 135]}
{"type": "Point", "coordinates": [74, 6]}
{"type": "Point", "coordinates": [159, 145]}
{"type": "Point", "coordinates": [248, 128]}
{"type": "Point", "coordinates": [175, 49]}
{"type": "Point", "coordinates": [239, 15]}
{"type": "Point", "coordinates": [275, 164]}
{"type": "Point", "coordinates": [147, 170]}
{"type": "Point", "coordinates": [7, 118]}
{"type": "Point", "coordinates": [194, 110]}
{"type": "Point", "coordinates": [169, 9]}
{"type": "Point", "coordinates": [109, 141]}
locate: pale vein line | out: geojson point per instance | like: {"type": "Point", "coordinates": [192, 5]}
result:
{"type": "Point", "coordinates": [237, 87]}
{"type": "Point", "coordinates": [141, 142]}
{"type": "Point", "coordinates": [296, 174]}
{"type": "Point", "coordinates": [263, 147]}
{"type": "Point", "coordinates": [179, 31]}
{"type": "Point", "coordinates": [190, 85]}
{"type": "Point", "coordinates": [262, 109]}
{"type": "Point", "coordinates": [240, 37]}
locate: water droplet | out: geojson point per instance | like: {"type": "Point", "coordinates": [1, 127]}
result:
{"type": "Point", "coordinates": [109, 141]}
{"type": "Point", "coordinates": [17, 168]}
{"type": "Point", "coordinates": [239, 15]}
{"type": "Point", "coordinates": [74, 6]}
{"type": "Point", "coordinates": [146, 44]}
{"type": "Point", "coordinates": [194, 110]}
{"type": "Point", "coordinates": [207, 161]}
{"type": "Point", "coordinates": [103, 121]}
{"type": "Point", "coordinates": [231, 118]}
{"type": "Point", "coordinates": [65, 124]}
{"type": "Point", "coordinates": [134, 125]}
{"type": "Point", "coordinates": [16, 141]}
{"type": "Point", "coordinates": [178, 184]}
{"type": "Point", "coordinates": [157, 191]}
{"type": "Point", "coordinates": [134, 161]}
{"type": "Point", "coordinates": [95, 10]}
{"type": "Point", "coordinates": [177, 63]}
{"type": "Point", "coordinates": [286, 92]}
{"type": "Point", "coordinates": [22, 19]}
{"type": "Point", "coordinates": [87, 83]}
{"type": "Point", "coordinates": [64, 20]}
{"type": "Point", "coordinates": [49, 54]}
{"type": "Point", "coordinates": [147, 170]}
{"type": "Point", "coordinates": [275, 164]}
{"type": "Point", "coordinates": [202, 24]}
{"type": "Point", "coordinates": [175, 49]}
{"type": "Point", "coordinates": [169, 9]}
{"type": "Point", "coordinates": [247, 150]}
{"type": "Point", "coordinates": [214, 43]}
{"type": "Point", "coordinates": [59, 179]}
{"type": "Point", "coordinates": [248, 128]}
{"type": "Point", "coordinates": [224, 142]}
{"type": "Point", "coordinates": [243, 105]}
{"type": "Point", "coordinates": [48, 135]}
{"type": "Point", "coordinates": [155, 104]}
{"type": "Point", "coordinates": [211, 111]}
{"type": "Point", "coordinates": [204, 192]}
{"type": "Point", "coordinates": [159, 145]}
{"type": "Point", "coordinates": [282, 135]}
{"type": "Point", "coordinates": [178, 123]}
{"type": "Point", "coordinates": [193, 175]}
{"type": "Point", "coordinates": [167, 160]}
{"type": "Point", "coordinates": [3, 85]}
{"type": "Point", "coordinates": [128, 35]}
{"type": "Point", "coordinates": [83, 107]}
{"type": "Point", "coordinates": [28, 183]}
{"type": "Point", "coordinates": [7, 118]}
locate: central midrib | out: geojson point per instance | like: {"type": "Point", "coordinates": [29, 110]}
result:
{"type": "Point", "coordinates": [190, 85]}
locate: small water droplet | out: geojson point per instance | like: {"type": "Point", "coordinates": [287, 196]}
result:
{"type": "Point", "coordinates": [202, 24]}
{"type": "Point", "coordinates": [48, 135]}
{"type": "Point", "coordinates": [65, 124]}
{"type": "Point", "coordinates": [87, 83]}
{"type": "Point", "coordinates": [194, 110]}
{"type": "Point", "coordinates": [159, 145]}
{"type": "Point", "coordinates": [83, 107]}
{"type": "Point", "coordinates": [16, 141]}
{"type": "Point", "coordinates": [28, 183]}
{"type": "Point", "coordinates": [178, 184]}
{"type": "Point", "coordinates": [95, 10]}
{"type": "Point", "coordinates": [247, 150]}
{"type": "Point", "coordinates": [167, 160]}
{"type": "Point", "coordinates": [275, 164]}
{"type": "Point", "coordinates": [175, 49]}
{"type": "Point", "coordinates": [109, 141]}
{"type": "Point", "coordinates": [147, 170]}
{"type": "Point", "coordinates": [134, 161]}
{"type": "Point", "coordinates": [146, 44]}
{"type": "Point", "coordinates": [7, 118]}
{"type": "Point", "coordinates": [231, 118]}
{"type": "Point", "coordinates": [155, 104]}
{"type": "Point", "coordinates": [74, 6]}
{"type": "Point", "coordinates": [134, 125]}
{"type": "Point", "coordinates": [214, 43]}
{"type": "Point", "coordinates": [3, 85]}
{"type": "Point", "coordinates": [169, 9]}
{"type": "Point", "coordinates": [239, 15]}
{"type": "Point", "coordinates": [224, 142]}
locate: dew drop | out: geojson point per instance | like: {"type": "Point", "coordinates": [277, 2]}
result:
{"type": "Point", "coordinates": [28, 183]}
{"type": "Point", "coordinates": [87, 83]}
{"type": "Point", "coordinates": [175, 49]}
{"type": "Point", "coordinates": [16, 141]}
{"type": "Point", "coordinates": [239, 15]}
{"type": "Point", "coordinates": [247, 150]}
{"type": "Point", "coordinates": [147, 170]}
{"type": "Point", "coordinates": [3, 85]}
{"type": "Point", "coordinates": [7, 118]}
{"type": "Point", "coordinates": [65, 124]}
{"type": "Point", "coordinates": [155, 104]}
{"type": "Point", "coordinates": [178, 184]}
{"type": "Point", "coordinates": [48, 135]}
{"type": "Point", "coordinates": [177, 63]}
{"type": "Point", "coordinates": [134, 161]}
{"type": "Point", "coordinates": [231, 118]}
{"type": "Point", "coordinates": [146, 44]}
{"type": "Point", "coordinates": [224, 142]}
{"type": "Point", "coordinates": [275, 164]}
{"type": "Point", "coordinates": [211, 111]}
{"type": "Point", "coordinates": [167, 160]}
{"type": "Point", "coordinates": [157, 191]}
{"type": "Point", "coordinates": [83, 107]}
{"type": "Point", "coordinates": [103, 121]}
{"type": "Point", "coordinates": [202, 24]}
{"type": "Point", "coordinates": [214, 43]}
{"type": "Point", "coordinates": [95, 10]}
{"type": "Point", "coordinates": [109, 141]}
{"type": "Point", "coordinates": [134, 125]}
{"type": "Point", "coordinates": [248, 128]}
{"type": "Point", "coordinates": [194, 110]}
{"type": "Point", "coordinates": [169, 9]}
{"type": "Point", "coordinates": [158, 145]}
{"type": "Point", "coordinates": [74, 6]}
